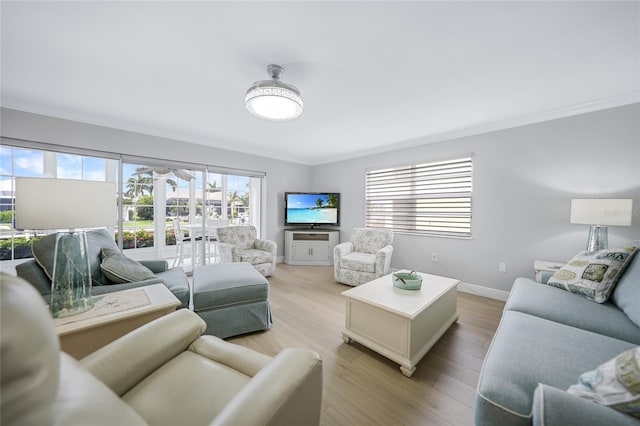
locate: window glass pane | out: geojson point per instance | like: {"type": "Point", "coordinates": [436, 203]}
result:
{"type": "Point", "coordinates": [6, 167]}
{"type": "Point", "coordinates": [238, 199]}
{"type": "Point", "coordinates": [137, 206]}
{"type": "Point", "coordinates": [213, 194]}
{"type": "Point", "coordinates": [94, 169]}
{"type": "Point", "coordinates": [69, 166]}
{"type": "Point", "coordinates": [28, 163]}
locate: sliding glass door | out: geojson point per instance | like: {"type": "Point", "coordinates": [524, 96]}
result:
{"type": "Point", "coordinates": [161, 205]}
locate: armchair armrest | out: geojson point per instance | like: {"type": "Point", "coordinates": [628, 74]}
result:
{"type": "Point", "coordinates": [228, 253]}
{"type": "Point", "coordinates": [234, 356]}
{"type": "Point", "coordinates": [552, 406]}
{"type": "Point", "coordinates": [383, 260]}
{"type": "Point", "coordinates": [126, 361]}
{"type": "Point", "coordinates": [266, 245]}
{"type": "Point", "coordinates": [286, 391]}
{"type": "Point", "coordinates": [342, 249]}
{"type": "Point", "coordinates": [156, 265]}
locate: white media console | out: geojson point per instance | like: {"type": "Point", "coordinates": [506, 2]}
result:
{"type": "Point", "coordinates": [310, 246]}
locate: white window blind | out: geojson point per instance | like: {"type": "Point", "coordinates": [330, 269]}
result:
{"type": "Point", "coordinates": [429, 199]}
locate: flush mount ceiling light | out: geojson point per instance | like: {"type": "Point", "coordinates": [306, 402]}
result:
{"type": "Point", "coordinates": [273, 99]}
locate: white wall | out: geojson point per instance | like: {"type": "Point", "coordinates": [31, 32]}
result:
{"type": "Point", "coordinates": [523, 181]}
{"type": "Point", "coordinates": [281, 175]}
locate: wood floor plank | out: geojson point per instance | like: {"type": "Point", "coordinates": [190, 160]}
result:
{"type": "Point", "coordinates": [360, 386]}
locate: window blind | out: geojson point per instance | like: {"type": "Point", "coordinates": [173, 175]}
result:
{"type": "Point", "coordinates": [430, 199]}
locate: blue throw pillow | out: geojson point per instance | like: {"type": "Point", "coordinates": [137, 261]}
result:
{"type": "Point", "coordinates": [121, 269]}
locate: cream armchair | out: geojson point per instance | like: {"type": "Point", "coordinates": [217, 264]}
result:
{"type": "Point", "coordinates": [366, 257]}
{"type": "Point", "coordinates": [164, 373]}
{"type": "Point", "coordinates": [241, 244]}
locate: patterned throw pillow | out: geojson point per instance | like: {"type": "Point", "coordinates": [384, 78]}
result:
{"type": "Point", "coordinates": [616, 383]}
{"type": "Point", "coordinates": [121, 269]}
{"type": "Point", "coordinates": [593, 275]}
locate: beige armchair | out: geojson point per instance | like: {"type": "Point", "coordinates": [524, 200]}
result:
{"type": "Point", "coordinates": [241, 244]}
{"type": "Point", "coordinates": [366, 257]}
{"type": "Point", "coordinates": [164, 373]}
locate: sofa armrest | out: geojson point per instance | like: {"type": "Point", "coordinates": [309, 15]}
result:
{"type": "Point", "coordinates": [552, 406]}
{"type": "Point", "coordinates": [238, 357]}
{"type": "Point", "coordinates": [286, 391]}
{"type": "Point", "coordinates": [383, 260]}
{"type": "Point", "coordinates": [156, 266]}
{"type": "Point", "coordinates": [35, 275]}
{"type": "Point", "coordinates": [126, 361]}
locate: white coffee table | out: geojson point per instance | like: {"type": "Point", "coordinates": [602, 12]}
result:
{"type": "Point", "coordinates": [401, 325]}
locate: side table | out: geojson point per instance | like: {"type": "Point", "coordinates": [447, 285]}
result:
{"type": "Point", "coordinates": [545, 269]}
{"type": "Point", "coordinates": [113, 315]}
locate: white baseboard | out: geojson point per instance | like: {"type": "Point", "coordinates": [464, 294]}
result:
{"type": "Point", "coordinates": [479, 290]}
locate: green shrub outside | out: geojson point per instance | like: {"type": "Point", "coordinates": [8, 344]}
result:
{"type": "Point", "coordinates": [21, 248]}
{"type": "Point", "coordinates": [6, 216]}
{"type": "Point", "coordinates": [138, 239]}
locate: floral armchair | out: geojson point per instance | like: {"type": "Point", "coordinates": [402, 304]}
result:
{"type": "Point", "coordinates": [241, 244]}
{"type": "Point", "coordinates": [366, 257]}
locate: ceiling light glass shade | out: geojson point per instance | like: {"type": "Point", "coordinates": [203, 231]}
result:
{"type": "Point", "coordinates": [273, 99]}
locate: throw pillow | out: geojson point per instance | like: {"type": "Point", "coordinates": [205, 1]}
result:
{"type": "Point", "coordinates": [593, 275]}
{"type": "Point", "coordinates": [44, 251]}
{"type": "Point", "coordinates": [121, 269]}
{"type": "Point", "coordinates": [615, 384]}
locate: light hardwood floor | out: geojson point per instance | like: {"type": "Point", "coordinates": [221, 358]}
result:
{"type": "Point", "coordinates": [360, 386]}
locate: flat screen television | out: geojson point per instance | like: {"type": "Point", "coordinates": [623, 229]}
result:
{"type": "Point", "coordinates": [312, 208]}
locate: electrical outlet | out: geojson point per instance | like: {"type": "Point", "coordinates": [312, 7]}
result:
{"type": "Point", "coordinates": [502, 267]}
{"type": "Point", "coordinates": [434, 257]}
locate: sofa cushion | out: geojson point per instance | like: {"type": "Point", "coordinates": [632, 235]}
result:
{"type": "Point", "coordinates": [626, 295]}
{"type": "Point", "coordinates": [44, 252]}
{"type": "Point", "coordinates": [615, 383]}
{"type": "Point", "coordinates": [557, 305]}
{"type": "Point", "coordinates": [528, 350]}
{"type": "Point", "coordinates": [357, 261]}
{"type": "Point", "coordinates": [254, 257]}
{"type": "Point", "coordinates": [177, 282]}
{"type": "Point", "coordinates": [593, 275]}
{"type": "Point", "coordinates": [122, 269]}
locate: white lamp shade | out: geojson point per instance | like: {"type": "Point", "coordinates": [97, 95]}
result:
{"type": "Point", "coordinates": [599, 211]}
{"type": "Point", "coordinates": [46, 203]}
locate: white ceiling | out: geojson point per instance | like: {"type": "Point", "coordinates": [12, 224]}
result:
{"type": "Point", "coordinates": [374, 76]}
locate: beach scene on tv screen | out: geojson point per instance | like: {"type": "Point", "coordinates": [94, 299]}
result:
{"type": "Point", "coordinates": [312, 208]}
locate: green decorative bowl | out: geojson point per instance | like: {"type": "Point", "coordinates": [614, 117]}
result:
{"type": "Point", "coordinates": [407, 280]}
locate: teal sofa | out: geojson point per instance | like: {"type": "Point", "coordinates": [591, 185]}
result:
{"type": "Point", "coordinates": [546, 339]}
{"type": "Point", "coordinates": [35, 273]}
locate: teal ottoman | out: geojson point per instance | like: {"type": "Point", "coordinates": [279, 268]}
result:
{"type": "Point", "coordinates": [232, 298]}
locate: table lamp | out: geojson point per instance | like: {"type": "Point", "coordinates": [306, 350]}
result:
{"type": "Point", "coordinates": [600, 213]}
{"type": "Point", "coordinates": [47, 203]}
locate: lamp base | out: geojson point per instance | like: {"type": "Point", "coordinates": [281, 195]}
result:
{"type": "Point", "coordinates": [71, 283]}
{"type": "Point", "coordinates": [598, 238]}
